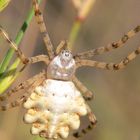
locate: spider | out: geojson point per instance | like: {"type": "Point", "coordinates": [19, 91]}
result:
{"type": "Point", "coordinates": [57, 98]}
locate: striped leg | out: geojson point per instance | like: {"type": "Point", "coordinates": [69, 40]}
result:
{"type": "Point", "coordinates": [43, 29]}
{"type": "Point", "coordinates": [16, 103]}
{"type": "Point", "coordinates": [19, 53]}
{"type": "Point", "coordinates": [14, 46]}
{"type": "Point", "coordinates": [38, 79]}
{"type": "Point", "coordinates": [39, 58]}
{"type": "Point", "coordinates": [92, 124]}
{"type": "Point", "coordinates": [61, 46]}
{"type": "Point", "coordinates": [109, 66]}
{"type": "Point", "coordinates": [30, 82]}
{"type": "Point", "coordinates": [109, 47]}
{"type": "Point", "coordinates": [87, 94]}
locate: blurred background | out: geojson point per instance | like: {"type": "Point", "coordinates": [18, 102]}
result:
{"type": "Point", "coordinates": [117, 94]}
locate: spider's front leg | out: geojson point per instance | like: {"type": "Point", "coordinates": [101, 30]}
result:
{"type": "Point", "coordinates": [43, 29]}
{"type": "Point", "coordinates": [62, 46]}
{"type": "Point", "coordinates": [92, 124]}
{"type": "Point", "coordinates": [110, 46]}
{"type": "Point", "coordinates": [20, 54]}
{"type": "Point", "coordinates": [87, 94]}
{"type": "Point", "coordinates": [109, 66]}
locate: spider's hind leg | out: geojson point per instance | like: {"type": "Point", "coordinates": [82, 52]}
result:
{"type": "Point", "coordinates": [13, 104]}
{"type": "Point", "coordinates": [25, 84]}
{"type": "Point", "coordinates": [92, 124]}
{"type": "Point", "coordinates": [32, 83]}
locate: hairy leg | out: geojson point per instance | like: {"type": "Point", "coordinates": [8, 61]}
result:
{"type": "Point", "coordinates": [13, 104]}
{"type": "Point", "coordinates": [92, 124]}
{"type": "Point", "coordinates": [109, 47]}
{"type": "Point", "coordinates": [43, 29]}
{"type": "Point", "coordinates": [109, 66]}
{"type": "Point", "coordinates": [20, 54]}
{"type": "Point", "coordinates": [13, 45]}
{"type": "Point", "coordinates": [30, 82]}
{"type": "Point", "coordinates": [87, 94]}
{"type": "Point", "coordinates": [61, 46]}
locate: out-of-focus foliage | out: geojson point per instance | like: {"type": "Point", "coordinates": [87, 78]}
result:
{"type": "Point", "coordinates": [83, 7]}
{"type": "Point", "coordinates": [4, 4]}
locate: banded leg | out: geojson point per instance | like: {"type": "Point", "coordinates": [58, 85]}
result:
{"type": "Point", "coordinates": [13, 104]}
{"type": "Point", "coordinates": [20, 54]}
{"type": "Point", "coordinates": [109, 66]}
{"type": "Point", "coordinates": [87, 94]}
{"type": "Point", "coordinates": [92, 124]}
{"type": "Point", "coordinates": [39, 58]}
{"type": "Point", "coordinates": [30, 82]}
{"type": "Point", "coordinates": [14, 46]}
{"type": "Point", "coordinates": [109, 47]}
{"type": "Point", "coordinates": [43, 29]}
{"type": "Point", "coordinates": [61, 46]}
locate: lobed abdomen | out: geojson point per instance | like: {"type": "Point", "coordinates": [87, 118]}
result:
{"type": "Point", "coordinates": [53, 108]}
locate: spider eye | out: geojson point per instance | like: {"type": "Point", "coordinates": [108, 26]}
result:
{"type": "Point", "coordinates": [67, 54]}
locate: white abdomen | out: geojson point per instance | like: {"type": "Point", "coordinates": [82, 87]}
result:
{"type": "Point", "coordinates": [54, 108]}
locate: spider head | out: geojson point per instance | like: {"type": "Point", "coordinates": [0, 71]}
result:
{"type": "Point", "coordinates": [65, 57]}
{"type": "Point", "coordinates": [62, 67]}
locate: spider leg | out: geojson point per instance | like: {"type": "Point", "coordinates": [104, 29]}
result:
{"type": "Point", "coordinates": [20, 54]}
{"type": "Point", "coordinates": [13, 104]}
{"type": "Point", "coordinates": [43, 29]}
{"type": "Point", "coordinates": [39, 58]}
{"type": "Point", "coordinates": [62, 45]}
{"type": "Point", "coordinates": [87, 94]}
{"type": "Point", "coordinates": [109, 66]}
{"type": "Point", "coordinates": [38, 79]}
{"type": "Point", "coordinates": [109, 47]}
{"type": "Point", "coordinates": [13, 45]}
{"type": "Point", "coordinates": [92, 124]}
{"type": "Point", "coordinates": [30, 82]}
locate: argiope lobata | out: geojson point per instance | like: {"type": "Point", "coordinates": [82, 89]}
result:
{"type": "Point", "coordinates": [55, 103]}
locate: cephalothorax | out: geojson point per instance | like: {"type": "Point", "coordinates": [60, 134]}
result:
{"type": "Point", "coordinates": [56, 96]}
{"type": "Point", "coordinates": [62, 67]}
